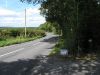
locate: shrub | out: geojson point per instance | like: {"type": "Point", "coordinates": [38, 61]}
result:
{"type": "Point", "coordinates": [16, 32]}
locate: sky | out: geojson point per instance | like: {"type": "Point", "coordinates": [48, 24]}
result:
{"type": "Point", "coordinates": [12, 14]}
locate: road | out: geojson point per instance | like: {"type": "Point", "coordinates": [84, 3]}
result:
{"type": "Point", "coordinates": [20, 59]}
{"type": "Point", "coordinates": [28, 50]}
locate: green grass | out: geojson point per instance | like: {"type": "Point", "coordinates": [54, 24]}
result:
{"type": "Point", "coordinates": [55, 51]}
{"type": "Point", "coordinates": [17, 40]}
{"type": "Point", "coordinates": [10, 36]}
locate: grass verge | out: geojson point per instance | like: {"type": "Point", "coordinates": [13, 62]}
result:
{"type": "Point", "coordinates": [17, 40]}
{"type": "Point", "coordinates": [56, 49]}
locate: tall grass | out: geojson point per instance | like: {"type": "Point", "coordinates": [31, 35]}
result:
{"type": "Point", "coordinates": [10, 36]}
{"type": "Point", "coordinates": [17, 40]}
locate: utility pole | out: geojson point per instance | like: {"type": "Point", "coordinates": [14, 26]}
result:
{"type": "Point", "coordinates": [25, 23]}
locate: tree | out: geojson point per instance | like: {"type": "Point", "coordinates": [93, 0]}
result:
{"type": "Point", "coordinates": [62, 12]}
{"type": "Point", "coordinates": [77, 19]}
{"type": "Point", "coordinates": [50, 27]}
{"type": "Point", "coordinates": [87, 14]}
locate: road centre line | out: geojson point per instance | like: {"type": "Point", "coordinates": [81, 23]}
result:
{"type": "Point", "coordinates": [17, 50]}
{"type": "Point", "coordinates": [11, 52]}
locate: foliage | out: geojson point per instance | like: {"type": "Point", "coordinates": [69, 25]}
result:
{"type": "Point", "coordinates": [64, 13]}
{"type": "Point", "coordinates": [78, 20]}
{"type": "Point", "coordinates": [10, 36]}
{"type": "Point", "coordinates": [47, 27]}
{"type": "Point", "coordinates": [19, 32]}
{"type": "Point", "coordinates": [17, 40]}
{"type": "Point", "coordinates": [89, 21]}
{"type": "Point", "coordinates": [50, 27]}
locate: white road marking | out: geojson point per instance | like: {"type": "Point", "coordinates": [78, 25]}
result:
{"type": "Point", "coordinates": [11, 52]}
{"type": "Point", "coordinates": [37, 43]}
{"type": "Point", "coordinates": [17, 50]}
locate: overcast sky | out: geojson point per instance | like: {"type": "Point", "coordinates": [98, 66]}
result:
{"type": "Point", "coordinates": [12, 14]}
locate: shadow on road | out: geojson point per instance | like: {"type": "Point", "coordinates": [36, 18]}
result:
{"type": "Point", "coordinates": [51, 40]}
{"type": "Point", "coordinates": [44, 65]}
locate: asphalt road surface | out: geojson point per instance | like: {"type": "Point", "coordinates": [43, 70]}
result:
{"type": "Point", "coordinates": [28, 50]}
{"type": "Point", "coordinates": [31, 58]}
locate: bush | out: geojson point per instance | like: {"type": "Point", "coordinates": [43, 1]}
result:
{"type": "Point", "coordinates": [4, 34]}
{"type": "Point", "coordinates": [16, 32]}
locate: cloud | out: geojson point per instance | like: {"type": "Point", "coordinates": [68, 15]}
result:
{"type": "Point", "coordinates": [31, 11]}
{"type": "Point", "coordinates": [14, 19]}
{"type": "Point", "coordinates": [5, 12]}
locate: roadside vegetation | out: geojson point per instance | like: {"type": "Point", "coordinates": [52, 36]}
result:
{"type": "Point", "coordinates": [9, 36]}
{"type": "Point", "coordinates": [50, 27]}
{"type": "Point", "coordinates": [78, 22]}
